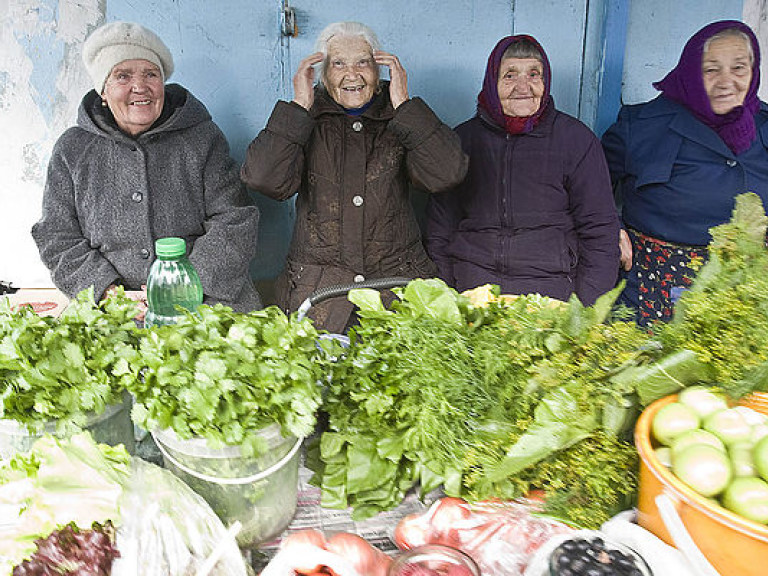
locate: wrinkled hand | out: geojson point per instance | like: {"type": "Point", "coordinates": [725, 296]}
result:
{"type": "Point", "coordinates": [625, 247]}
{"type": "Point", "coordinates": [304, 81]}
{"type": "Point", "coordinates": [398, 79]}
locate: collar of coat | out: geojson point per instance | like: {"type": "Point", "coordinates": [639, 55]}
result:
{"type": "Point", "coordinates": [543, 128]}
{"type": "Point", "coordinates": [380, 109]}
{"type": "Point", "coordinates": [181, 110]}
{"type": "Point", "coordinates": [684, 123]}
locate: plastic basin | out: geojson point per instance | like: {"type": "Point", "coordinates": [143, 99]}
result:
{"type": "Point", "coordinates": [734, 545]}
{"type": "Point", "coordinates": [259, 492]}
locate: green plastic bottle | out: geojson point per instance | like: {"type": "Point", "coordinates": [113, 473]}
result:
{"type": "Point", "coordinates": [172, 282]}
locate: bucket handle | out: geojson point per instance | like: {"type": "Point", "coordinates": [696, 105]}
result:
{"type": "Point", "coordinates": [682, 538]}
{"type": "Point", "coordinates": [230, 481]}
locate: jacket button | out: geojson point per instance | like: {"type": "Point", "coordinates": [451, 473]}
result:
{"type": "Point", "coordinates": [357, 126]}
{"type": "Point", "coordinates": [731, 163]}
{"type": "Point", "coordinates": [357, 200]}
{"type": "Point", "coordinates": [144, 253]}
{"type": "Point", "coordinates": [137, 196]}
{"type": "Point", "coordinates": [359, 278]}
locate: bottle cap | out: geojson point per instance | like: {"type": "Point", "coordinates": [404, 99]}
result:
{"type": "Point", "coordinates": [170, 247]}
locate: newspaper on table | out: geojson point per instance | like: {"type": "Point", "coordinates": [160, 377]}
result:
{"type": "Point", "coordinates": [44, 301]}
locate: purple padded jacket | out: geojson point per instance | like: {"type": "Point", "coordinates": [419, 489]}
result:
{"type": "Point", "coordinates": [535, 213]}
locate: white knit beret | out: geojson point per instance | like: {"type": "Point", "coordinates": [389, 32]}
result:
{"type": "Point", "coordinates": [116, 42]}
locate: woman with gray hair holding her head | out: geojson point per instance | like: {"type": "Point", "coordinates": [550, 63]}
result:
{"type": "Point", "coordinates": [145, 161]}
{"type": "Point", "coordinates": [350, 147]}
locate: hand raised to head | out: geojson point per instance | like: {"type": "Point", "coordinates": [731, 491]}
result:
{"type": "Point", "coordinates": [304, 80]}
{"type": "Point", "coordinates": [398, 79]}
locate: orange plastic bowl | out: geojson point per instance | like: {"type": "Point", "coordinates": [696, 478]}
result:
{"type": "Point", "coordinates": [734, 545]}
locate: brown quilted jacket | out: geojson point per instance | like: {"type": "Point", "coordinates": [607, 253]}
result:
{"type": "Point", "coordinates": [351, 174]}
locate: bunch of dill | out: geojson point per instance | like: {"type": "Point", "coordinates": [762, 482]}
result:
{"type": "Point", "coordinates": [723, 318]}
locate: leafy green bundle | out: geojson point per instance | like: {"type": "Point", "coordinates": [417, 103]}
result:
{"type": "Point", "coordinates": [71, 550]}
{"type": "Point", "coordinates": [66, 368]}
{"type": "Point", "coordinates": [60, 481]}
{"type": "Point", "coordinates": [723, 318]}
{"type": "Point", "coordinates": [222, 376]}
{"type": "Point", "coordinates": [63, 482]}
{"type": "Point", "coordinates": [488, 402]}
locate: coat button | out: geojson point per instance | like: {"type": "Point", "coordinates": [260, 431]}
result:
{"type": "Point", "coordinates": [144, 253]}
{"type": "Point", "coordinates": [137, 196]}
{"type": "Point", "coordinates": [357, 126]}
{"type": "Point", "coordinates": [359, 278]}
{"type": "Point", "coordinates": [357, 200]}
{"type": "Point", "coordinates": [731, 163]}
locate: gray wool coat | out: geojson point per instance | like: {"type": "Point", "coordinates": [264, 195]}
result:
{"type": "Point", "coordinates": [108, 196]}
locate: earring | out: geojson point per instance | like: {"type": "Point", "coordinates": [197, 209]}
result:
{"type": "Point", "coordinates": [103, 103]}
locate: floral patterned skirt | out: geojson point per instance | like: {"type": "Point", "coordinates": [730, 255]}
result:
{"type": "Point", "coordinates": [660, 272]}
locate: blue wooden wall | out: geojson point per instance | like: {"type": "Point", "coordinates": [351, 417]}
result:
{"type": "Point", "coordinates": [232, 55]}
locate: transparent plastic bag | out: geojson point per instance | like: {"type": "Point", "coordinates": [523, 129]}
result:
{"type": "Point", "coordinates": [309, 553]}
{"type": "Point", "coordinates": [166, 529]}
{"type": "Point", "coordinates": [500, 536]}
{"type": "Point", "coordinates": [298, 560]}
{"type": "Point", "coordinates": [162, 528]}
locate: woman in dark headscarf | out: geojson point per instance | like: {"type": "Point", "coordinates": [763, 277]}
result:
{"type": "Point", "coordinates": [535, 213]}
{"type": "Point", "coordinates": [679, 160]}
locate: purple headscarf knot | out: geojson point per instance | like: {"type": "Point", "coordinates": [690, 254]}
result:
{"type": "Point", "coordinates": [685, 85]}
{"type": "Point", "coordinates": [488, 99]}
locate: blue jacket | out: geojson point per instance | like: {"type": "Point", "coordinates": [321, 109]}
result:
{"type": "Point", "coordinates": [675, 176]}
{"type": "Point", "coordinates": [534, 215]}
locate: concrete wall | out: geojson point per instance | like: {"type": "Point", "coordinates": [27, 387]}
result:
{"type": "Point", "coordinates": [756, 15]}
{"type": "Point", "coordinates": [231, 54]}
{"type": "Point", "coordinates": [656, 36]}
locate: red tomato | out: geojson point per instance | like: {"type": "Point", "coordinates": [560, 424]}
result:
{"type": "Point", "coordinates": [449, 514]}
{"type": "Point", "coordinates": [536, 494]}
{"type": "Point", "coordinates": [411, 531]}
{"type": "Point", "coordinates": [367, 560]}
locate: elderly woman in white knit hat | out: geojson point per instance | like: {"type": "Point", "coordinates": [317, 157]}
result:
{"type": "Point", "coordinates": [145, 161]}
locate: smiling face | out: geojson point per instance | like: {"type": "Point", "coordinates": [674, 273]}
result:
{"type": "Point", "coordinates": [520, 85]}
{"type": "Point", "coordinates": [350, 73]}
{"type": "Point", "coordinates": [134, 92]}
{"type": "Point", "coordinates": [726, 68]}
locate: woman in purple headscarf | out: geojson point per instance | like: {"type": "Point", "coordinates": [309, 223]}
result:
{"type": "Point", "coordinates": [535, 213]}
{"type": "Point", "coordinates": [679, 160]}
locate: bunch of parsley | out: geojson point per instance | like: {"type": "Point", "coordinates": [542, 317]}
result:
{"type": "Point", "coordinates": [67, 368]}
{"type": "Point", "coordinates": [224, 376]}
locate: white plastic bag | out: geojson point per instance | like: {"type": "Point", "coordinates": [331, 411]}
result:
{"type": "Point", "coordinates": [166, 529]}
{"type": "Point", "coordinates": [286, 561]}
